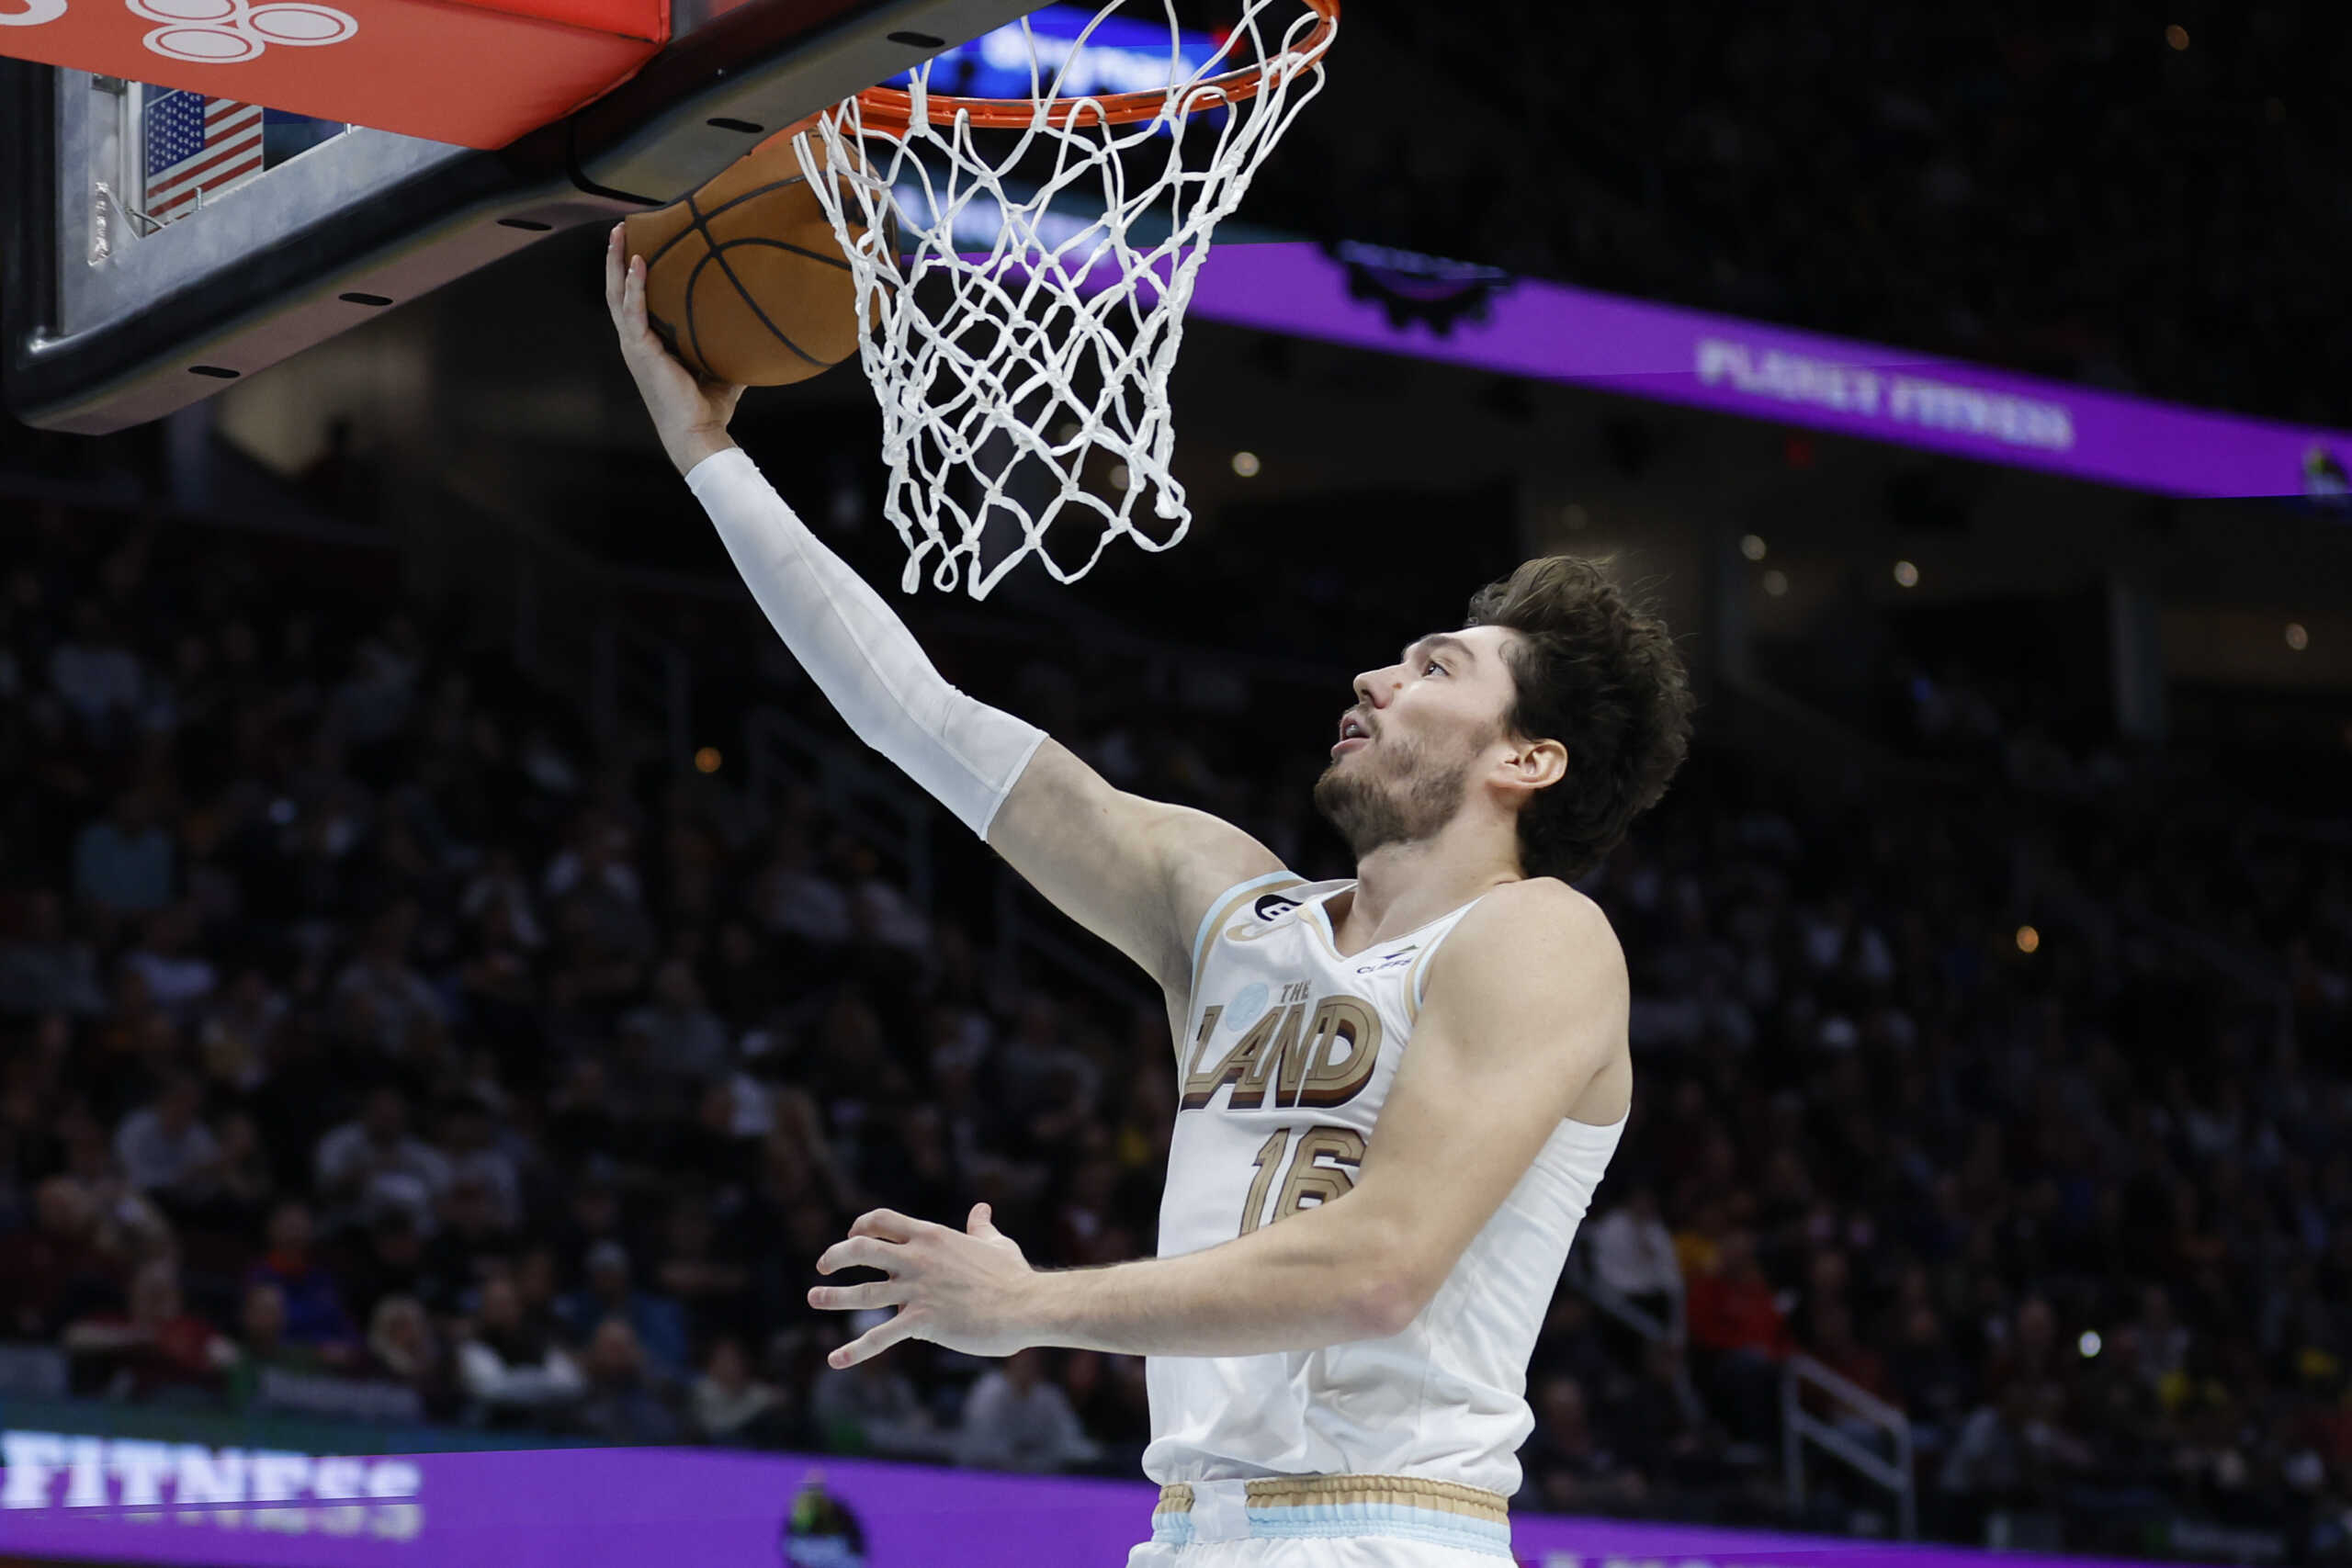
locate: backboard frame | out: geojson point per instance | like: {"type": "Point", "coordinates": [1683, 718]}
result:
{"type": "Point", "coordinates": [105, 329]}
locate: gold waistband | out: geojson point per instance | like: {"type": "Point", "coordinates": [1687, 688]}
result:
{"type": "Point", "coordinates": [1302, 1491]}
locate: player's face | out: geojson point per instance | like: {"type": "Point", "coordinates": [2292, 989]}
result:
{"type": "Point", "coordinates": [1419, 729]}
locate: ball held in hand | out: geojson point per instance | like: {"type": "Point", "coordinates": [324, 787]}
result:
{"type": "Point", "coordinates": [744, 282]}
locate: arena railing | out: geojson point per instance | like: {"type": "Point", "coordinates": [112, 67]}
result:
{"type": "Point", "coordinates": [869, 801]}
{"type": "Point", "coordinates": [1860, 1406]}
{"type": "Point", "coordinates": [1624, 1308]}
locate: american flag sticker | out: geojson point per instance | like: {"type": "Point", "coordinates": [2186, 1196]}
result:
{"type": "Point", "coordinates": [197, 144]}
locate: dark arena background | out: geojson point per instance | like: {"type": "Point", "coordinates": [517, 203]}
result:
{"type": "Point", "coordinates": [456, 973]}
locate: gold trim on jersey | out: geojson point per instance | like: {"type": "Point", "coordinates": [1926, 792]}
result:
{"type": "Point", "coordinates": [1413, 979]}
{"type": "Point", "coordinates": [1319, 923]}
{"type": "Point", "coordinates": [1305, 1491]}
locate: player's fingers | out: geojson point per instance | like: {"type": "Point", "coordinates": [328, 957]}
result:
{"type": "Point", "coordinates": [874, 1341]}
{"type": "Point", "coordinates": [886, 1224]}
{"type": "Point", "coordinates": [633, 297]}
{"type": "Point", "coordinates": [615, 264]}
{"type": "Point", "coordinates": [980, 1224]}
{"type": "Point", "coordinates": [860, 1252]}
{"type": "Point", "coordinates": [851, 1298]}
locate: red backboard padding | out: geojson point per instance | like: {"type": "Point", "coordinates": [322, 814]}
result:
{"type": "Point", "coordinates": [477, 76]}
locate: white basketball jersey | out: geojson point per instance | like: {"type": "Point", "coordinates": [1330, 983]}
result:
{"type": "Point", "coordinates": [1286, 1058]}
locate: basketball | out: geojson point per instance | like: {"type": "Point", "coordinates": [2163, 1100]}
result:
{"type": "Point", "coordinates": [743, 279]}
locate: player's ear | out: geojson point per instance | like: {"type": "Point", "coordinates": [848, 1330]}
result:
{"type": "Point", "coordinates": [1537, 764]}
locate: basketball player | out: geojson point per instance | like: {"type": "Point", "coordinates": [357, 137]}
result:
{"type": "Point", "coordinates": [1399, 1093]}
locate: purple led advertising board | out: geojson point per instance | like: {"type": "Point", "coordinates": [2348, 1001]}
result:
{"type": "Point", "coordinates": [111, 1500]}
{"type": "Point", "coordinates": [1487, 320]}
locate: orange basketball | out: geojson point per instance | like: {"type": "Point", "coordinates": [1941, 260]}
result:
{"type": "Point", "coordinates": [743, 280]}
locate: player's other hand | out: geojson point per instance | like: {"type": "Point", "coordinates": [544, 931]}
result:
{"type": "Point", "coordinates": [690, 414]}
{"type": "Point", "coordinates": [967, 1290]}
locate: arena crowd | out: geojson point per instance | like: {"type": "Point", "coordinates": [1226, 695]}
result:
{"type": "Point", "coordinates": [2116, 196]}
{"type": "Point", "coordinates": [369, 1048]}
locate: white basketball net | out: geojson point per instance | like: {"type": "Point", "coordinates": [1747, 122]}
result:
{"type": "Point", "coordinates": [1021, 354]}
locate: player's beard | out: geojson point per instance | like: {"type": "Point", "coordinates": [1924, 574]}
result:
{"type": "Point", "coordinates": [1404, 797]}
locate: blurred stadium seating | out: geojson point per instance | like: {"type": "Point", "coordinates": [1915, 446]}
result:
{"type": "Point", "coordinates": [378, 1046]}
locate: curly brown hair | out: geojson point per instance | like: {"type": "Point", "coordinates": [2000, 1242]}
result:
{"type": "Point", "coordinates": [1600, 675]}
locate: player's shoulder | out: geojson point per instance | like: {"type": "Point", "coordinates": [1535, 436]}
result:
{"type": "Point", "coordinates": [1542, 906]}
{"type": "Point", "coordinates": [1539, 926]}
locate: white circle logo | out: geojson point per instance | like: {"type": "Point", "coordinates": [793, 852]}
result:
{"type": "Point", "coordinates": [228, 32]}
{"type": "Point", "coordinates": [34, 15]}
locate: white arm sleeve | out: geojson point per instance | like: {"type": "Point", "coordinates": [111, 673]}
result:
{"type": "Point", "coordinates": [862, 657]}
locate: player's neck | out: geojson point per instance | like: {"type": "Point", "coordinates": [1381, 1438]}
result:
{"type": "Point", "coordinates": [1403, 886]}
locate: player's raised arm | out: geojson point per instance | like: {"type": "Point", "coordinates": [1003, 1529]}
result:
{"type": "Point", "coordinates": [1136, 872]}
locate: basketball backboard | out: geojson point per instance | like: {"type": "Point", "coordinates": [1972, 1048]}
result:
{"type": "Point", "coordinates": [127, 293]}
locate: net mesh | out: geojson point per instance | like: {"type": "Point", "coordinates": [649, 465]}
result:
{"type": "Point", "coordinates": [1020, 330]}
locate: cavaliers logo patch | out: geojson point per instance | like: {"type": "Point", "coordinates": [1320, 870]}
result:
{"type": "Point", "coordinates": [1265, 915]}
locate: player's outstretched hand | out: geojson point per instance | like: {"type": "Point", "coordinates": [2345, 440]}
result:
{"type": "Point", "coordinates": [690, 414]}
{"type": "Point", "coordinates": [967, 1290]}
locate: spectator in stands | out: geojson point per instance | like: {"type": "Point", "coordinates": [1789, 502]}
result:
{"type": "Point", "coordinates": [687, 1040]}
{"type": "Point", "coordinates": [97, 677]}
{"type": "Point", "coordinates": [384, 1000]}
{"type": "Point", "coordinates": [388, 1260]}
{"type": "Point", "coordinates": [1736, 1326]}
{"type": "Point", "coordinates": [2010, 1452]}
{"type": "Point", "coordinates": [914, 1172]}
{"type": "Point", "coordinates": [1632, 1254]}
{"type": "Point", "coordinates": [123, 861]}
{"type": "Point", "coordinates": [467, 1242]}
{"type": "Point", "coordinates": [69, 1264]}
{"type": "Point", "coordinates": [873, 1408]}
{"type": "Point", "coordinates": [2123, 1418]}
{"type": "Point", "coordinates": [1112, 1404]}
{"type": "Point", "coordinates": [797, 902]}
{"type": "Point", "coordinates": [1016, 1417]}
{"type": "Point", "coordinates": [262, 1346]}
{"type": "Point", "coordinates": [2164, 1339]}
{"type": "Point", "coordinates": [235, 1032]}
{"type": "Point", "coordinates": [730, 1405]}
{"type": "Point", "coordinates": [1663, 1428]}
{"type": "Point", "coordinates": [167, 1151]}
{"type": "Point", "coordinates": [372, 1162]}
{"type": "Point", "coordinates": [622, 1404]}
{"type": "Point", "coordinates": [657, 1325]}
{"type": "Point", "coordinates": [2029, 1351]}
{"type": "Point", "coordinates": [244, 1181]}
{"type": "Point", "coordinates": [1928, 1378]}
{"type": "Point", "coordinates": [1831, 1341]}
{"type": "Point", "coordinates": [403, 1349]}
{"type": "Point", "coordinates": [500, 891]}
{"type": "Point", "coordinates": [155, 1349]}
{"type": "Point", "coordinates": [1573, 1344]}
{"type": "Point", "coordinates": [713, 1288]}
{"type": "Point", "coordinates": [309, 1296]}
{"type": "Point", "coordinates": [514, 1373]}
{"type": "Point", "coordinates": [476, 1154]}
{"type": "Point", "coordinates": [179, 978]}
{"type": "Point", "coordinates": [881, 915]}
{"type": "Point", "coordinates": [44, 967]}
{"type": "Point", "coordinates": [1565, 1467]}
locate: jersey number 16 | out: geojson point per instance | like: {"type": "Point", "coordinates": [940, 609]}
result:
{"type": "Point", "coordinates": [1322, 1168]}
